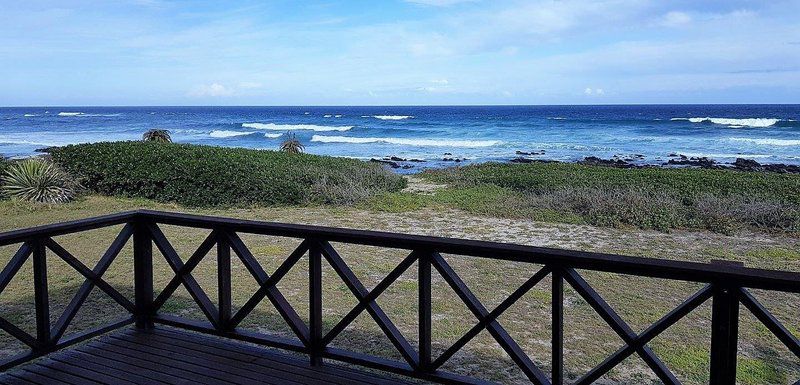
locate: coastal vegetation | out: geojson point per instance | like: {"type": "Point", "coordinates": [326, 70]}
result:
{"type": "Point", "coordinates": [664, 199]}
{"type": "Point", "coordinates": [292, 145]}
{"type": "Point", "coordinates": [648, 198]}
{"type": "Point", "coordinates": [194, 175]}
{"type": "Point", "coordinates": [37, 180]}
{"type": "Point", "coordinates": [157, 135]}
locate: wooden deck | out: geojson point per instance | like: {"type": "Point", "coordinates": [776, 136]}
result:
{"type": "Point", "coordinates": [171, 356]}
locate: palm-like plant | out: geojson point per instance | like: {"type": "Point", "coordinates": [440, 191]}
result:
{"type": "Point", "coordinates": [37, 180]}
{"type": "Point", "coordinates": [292, 145]}
{"type": "Point", "coordinates": [157, 135]}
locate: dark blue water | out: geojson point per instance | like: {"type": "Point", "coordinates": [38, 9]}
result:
{"type": "Point", "coordinates": [766, 133]}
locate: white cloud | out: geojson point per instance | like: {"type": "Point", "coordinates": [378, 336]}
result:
{"type": "Point", "coordinates": [440, 3]}
{"type": "Point", "coordinates": [675, 18]}
{"type": "Point", "coordinates": [250, 85]}
{"type": "Point", "coordinates": [213, 90]}
{"type": "Point", "coordinates": [595, 91]}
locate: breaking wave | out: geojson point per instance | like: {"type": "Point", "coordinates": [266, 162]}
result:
{"type": "Point", "coordinates": [85, 114]}
{"type": "Point", "coordinates": [228, 134]}
{"type": "Point", "coordinates": [290, 127]}
{"type": "Point", "coordinates": [392, 117]}
{"type": "Point", "coordinates": [406, 142]}
{"type": "Point", "coordinates": [768, 141]}
{"type": "Point", "coordinates": [734, 123]}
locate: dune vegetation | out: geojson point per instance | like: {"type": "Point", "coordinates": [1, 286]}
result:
{"type": "Point", "coordinates": [648, 198]}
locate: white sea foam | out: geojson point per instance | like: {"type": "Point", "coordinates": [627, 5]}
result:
{"type": "Point", "coordinates": [406, 142]}
{"type": "Point", "coordinates": [30, 115]}
{"type": "Point", "coordinates": [717, 156]}
{"type": "Point", "coordinates": [327, 116]}
{"type": "Point", "coordinates": [557, 118]}
{"type": "Point", "coordinates": [227, 134]}
{"type": "Point", "coordinates": [82, 114]}
{"type": "Point", "coordinates": [290, 127]}
{"type": "Point", "coordinates": [337, 116]}
{"type": "Point", "coordinates": [272, 136]}
{"type": "Point", "coordinates": [24, 142]}
{"type": "Point", "coordinates": [392, 117]}
{"type": "Point", "coordinates": [769, 141]}
{"type": "Point", "coordinates": [734, 123]}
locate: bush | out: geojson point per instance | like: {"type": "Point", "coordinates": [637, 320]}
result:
{"type": "Point", "coordinates": [216, 176]}
{"type": "Point", "coordinates": [662, 199]}
{"type": "Point", "coordinates": [37, 180]}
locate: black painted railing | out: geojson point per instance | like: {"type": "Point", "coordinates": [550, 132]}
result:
{"type": "Point", "coordinates": [726, 286]}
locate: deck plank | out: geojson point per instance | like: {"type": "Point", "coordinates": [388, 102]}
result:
{"type": "Point", "coordinates": [168, 356]}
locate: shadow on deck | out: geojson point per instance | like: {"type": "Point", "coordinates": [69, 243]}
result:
{"type": "Point", "coordinates": [170, 356]}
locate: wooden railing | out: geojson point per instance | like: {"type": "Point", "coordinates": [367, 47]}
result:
{"type": "Point", "coordinates": [726, 285]}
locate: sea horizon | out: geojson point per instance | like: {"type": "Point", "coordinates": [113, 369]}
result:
{"type": "Point", "coordinates": [434, 136]}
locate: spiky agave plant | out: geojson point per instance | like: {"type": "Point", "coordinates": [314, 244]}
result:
{"type": "Point", "coordinates": [157, 135]}
{"type": "Point", "coordinates": [292, 145]}
{"type": "Point", "coordinates": [37, 180]}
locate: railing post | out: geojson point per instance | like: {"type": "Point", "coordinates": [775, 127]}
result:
{"type": "Point", "coordinates": [143, 274]}
{"type": "Point", "coordinates": [41, 294]}
{"type": "Point", "coordinates": [557, 327]}
{"type": "Point", "coordinates": [424, 311]}
{"type": "Point", "coordinates": [224, 281]}
{"type": "Point", "coordinates": [724, 335]}
{"type": "Point", "coordinates": [315, 302]}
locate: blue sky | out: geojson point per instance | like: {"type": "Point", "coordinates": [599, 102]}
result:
{"type": "Point", "coordinates": [164, 52]}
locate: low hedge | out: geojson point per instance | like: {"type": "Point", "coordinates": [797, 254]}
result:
{"type": "Point", "coordinates": [195, 175]}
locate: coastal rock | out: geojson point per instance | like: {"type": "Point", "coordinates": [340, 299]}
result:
{"type": "Point", "coordinates": [386, 162]}
{"type": "Point", "coordinates": [743, 164]}
{"type": "Point", "coordinates": [746, 165]}
{"type": "Point", "coordinates": [595, 161]}
{"type": "Point", "coordinates": [527, 153]}
{"type": "Point", "coordinates": [528, 160]}
{"type": "Point", "coordinates": [457, 160]}
{"type": "Point", "coordinates": [702, 162]}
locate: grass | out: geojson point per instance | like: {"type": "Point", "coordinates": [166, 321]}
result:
{"type": "Point", "coordinates": [684, 347]}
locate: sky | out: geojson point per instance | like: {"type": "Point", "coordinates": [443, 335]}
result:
{"type": "Point", "coordinates": [401, 52]}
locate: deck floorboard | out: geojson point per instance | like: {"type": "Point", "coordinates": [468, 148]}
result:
{"type": "Point", "coordinates": [176, 357]}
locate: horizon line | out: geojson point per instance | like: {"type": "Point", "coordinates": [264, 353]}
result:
{"type": "Point", "coordinates": [395, 105]}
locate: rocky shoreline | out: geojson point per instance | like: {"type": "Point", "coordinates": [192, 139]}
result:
{"type": "Point", "coordinates": [618, 161]}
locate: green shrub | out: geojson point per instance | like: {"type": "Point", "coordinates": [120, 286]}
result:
{"type": "Point", "coordinates": [37, 180]}
{"type": "Point", "coordinates": [719, 200]}
{"type": "Point", "coordinates": [216, 176]}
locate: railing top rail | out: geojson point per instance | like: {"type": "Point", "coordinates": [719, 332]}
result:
{"type": "Point", "coordinates": [61, 228]}
{"type": "Point", "coordinates": [651, 267]}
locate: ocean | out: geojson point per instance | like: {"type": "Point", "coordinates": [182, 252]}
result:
{"type": "Point", "coordinates": [645, 134]}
